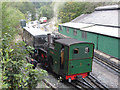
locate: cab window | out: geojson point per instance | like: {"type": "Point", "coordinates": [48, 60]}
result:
{"type": "Point", "coordinates": [86, 50]}
{"type": "Point", "coordinates": [76, 51]}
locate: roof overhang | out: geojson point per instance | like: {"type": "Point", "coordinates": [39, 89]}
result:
{"type": "Point", "coordinates": [76, 25]}
{"type": "Point", "coordinates": [109, 31]}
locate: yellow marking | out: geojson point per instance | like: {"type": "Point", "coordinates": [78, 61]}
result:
{"type": "Point", "coordinates": [80, 64]}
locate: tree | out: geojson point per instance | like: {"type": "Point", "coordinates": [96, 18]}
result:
{"type": "Point", "coordinates": [10, 23]}
{"type": "Point", "coordinates": [45, 10]}
{"type": "Point", "coordinates": [71, 10]}
{"type": "Point", "coordinates": [24, 7]}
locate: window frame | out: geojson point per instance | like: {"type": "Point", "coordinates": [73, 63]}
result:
{"type": "Point", "coordinates": [87, 50]}
{"type": "Point", "coordinates": [84, 35]}
{"type": "Point", "coordinates": [76, 49]}
{"type": "Point", "coordinates": [61, 28]}
{"type": "Point", "coordinates": [67, 29]}
{"type": "Point", "coordinates": [75, 32]}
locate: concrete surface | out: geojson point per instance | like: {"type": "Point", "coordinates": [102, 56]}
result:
{"type": "Point", "coordinates": [105, 76]}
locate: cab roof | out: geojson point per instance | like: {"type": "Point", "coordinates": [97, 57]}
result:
{"type": "Point", "coordinates": [69, 41]}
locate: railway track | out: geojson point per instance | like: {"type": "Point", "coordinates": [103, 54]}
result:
{"type": "Point", "coordinates": [49, 84]}
{"type": "Point", "coordinates": [107, 63]}
{"type": "Point", "coordinates": [97, 83]}
{"type": "Point", "coordinates": [88, 83]}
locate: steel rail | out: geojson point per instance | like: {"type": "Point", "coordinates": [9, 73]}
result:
{"type": "Point", "coordinates": [89, 82]}
{"type": "Point", "coordinates": [75, 85]}
{"type": "Point", "coordinates": [96, 82]}
{"type": "Point", "coordinates": [49, 84]}
{"type": "Point", "coordinates": [108, 64]}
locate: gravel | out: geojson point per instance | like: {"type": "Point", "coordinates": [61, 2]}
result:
{"type": "Point", "coordinates": [105, 76]}
{"type": "Point", "coordinates": [54, 79]}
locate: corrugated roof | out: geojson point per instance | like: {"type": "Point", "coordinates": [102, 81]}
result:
{"type": "Point", "coordinates": [76, 20]}
{"type": "Point", "coordinates": [69, 41]}
{"type": "Point", "coordinates": [110, 7]}
{"type": "Point", "coordinates": [107, 15]}
{"type": "Point", "coordinates": [109, 31]}
{"type": "Point", "coordinates": [76, 25]}
{"type": "Point", "coordinates": [36, 31]}
{"type": "Point", "coordinates": [105, 20]}
{"type": "Point", "coordinates": [108, 18]}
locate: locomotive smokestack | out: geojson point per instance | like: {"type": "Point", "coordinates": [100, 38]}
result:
{"type": "Point", "coordinates": [49, 39]}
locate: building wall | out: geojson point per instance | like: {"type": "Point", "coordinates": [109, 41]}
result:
{"type": "Point", "coordinates": [70, 34]}
{"type": "Point", "coordinates": [91, 37]}
{"type": "Point", "coordinates": [119, 49]}
{"type": "Point", "coordinates": [108, 45]}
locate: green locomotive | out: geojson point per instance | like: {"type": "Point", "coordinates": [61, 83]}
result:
{"type": "Point", "coordinates": [67, 57]}
{"type": "Point", "coordinates": [71, 58]}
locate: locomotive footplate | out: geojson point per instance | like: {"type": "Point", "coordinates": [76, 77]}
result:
{"type": "Point", "coordinates": [74, 76]}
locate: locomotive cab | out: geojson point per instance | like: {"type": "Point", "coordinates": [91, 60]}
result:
{"type": "Point", "coordinates": [71, 58]}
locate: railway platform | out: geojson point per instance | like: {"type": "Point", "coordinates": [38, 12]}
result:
{"type": "Point", "coordinates": [106, 57]}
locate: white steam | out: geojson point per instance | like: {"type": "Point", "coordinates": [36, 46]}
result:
{"type": "Point", "coordinates": [54, 21]}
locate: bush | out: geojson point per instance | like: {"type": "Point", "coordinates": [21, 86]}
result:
{"type": "Point", "coordinates": [16, 71]}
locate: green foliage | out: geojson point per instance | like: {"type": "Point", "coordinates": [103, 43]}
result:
{"type": "Point", "coordinates": [30, 49]}
{"type": "Point", "coordinates": [71, 10]}
{"type": "Point", "coordinates": [24, 7]}
{"type": "Point", "coordinates": [41, 4]}
{"type": "Point", "coordinates": [45, 10]}
{"type": "Point", "coordinates": [10, 23]}
{"type": "Point", "coordinates": [16, 71]}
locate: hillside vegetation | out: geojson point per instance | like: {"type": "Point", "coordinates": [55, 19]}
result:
{"type": "Point", "coordinates": [16, 72]}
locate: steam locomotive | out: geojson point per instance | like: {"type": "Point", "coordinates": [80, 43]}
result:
{"type": "Point", "coordinates": [67, 57]}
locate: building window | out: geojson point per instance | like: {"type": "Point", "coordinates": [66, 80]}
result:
{"type": "Point", "coordinates": [61, 28]}
{"type": "Point", "coordinates": [67, 30]}
{"type": "Point", "coordinates": [84, 35]}
{"type": "Point", "coordinates": [75, 32]}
